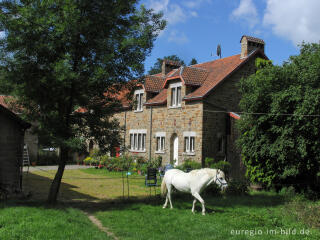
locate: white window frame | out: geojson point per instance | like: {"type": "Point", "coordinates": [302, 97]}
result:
{"type": "Point", "coordinates": [138, 94]}
{"type": "Point", "coordinates": [138, 140]}
{"type": "Point", "coordinates": [189, 143]}
{"type": "Point", "coordinates": [175, 101]}
{"type": "Point", "coordinates": [160, 142]}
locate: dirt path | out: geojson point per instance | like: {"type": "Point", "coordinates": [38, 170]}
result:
{"type": "Point", "coordinates": [98, 223]}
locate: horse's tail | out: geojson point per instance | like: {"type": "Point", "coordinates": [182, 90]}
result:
{"type": "Point", "coordinates": [164, 189]}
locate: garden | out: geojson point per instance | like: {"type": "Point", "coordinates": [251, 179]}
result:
{"type": "Point", "coordinates": [230, 215]}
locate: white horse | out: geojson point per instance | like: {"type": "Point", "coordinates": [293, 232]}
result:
{"type": "Point", "coordinates": [193, 182]}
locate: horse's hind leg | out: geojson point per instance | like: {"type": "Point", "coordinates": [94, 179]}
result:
{"type": "Point", "coordinates": [166, 202]}
{"type": "Point", "coordinates": [169, 194]}
{"type": "Point", "coordinates": [194, 204]}
{"type": "Point", "coordinates": [197, 196]}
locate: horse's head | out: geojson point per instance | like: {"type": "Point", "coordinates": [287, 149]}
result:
{"type": "Point", "coordinates": [221, 179]}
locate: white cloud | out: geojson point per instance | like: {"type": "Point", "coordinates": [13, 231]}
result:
{"type": "Point", "coordinates": [177, 37]}
{"type": "Point", "coordinates": [173, 13]}
{"type": "Point", "coordinates": [196, 3]}
{"type": "Point", "coordinates": [295, 20]}
{"type": "Point", "coordinates": [194, 14]}
{"type": "Point", "coordinates": [246, 11]}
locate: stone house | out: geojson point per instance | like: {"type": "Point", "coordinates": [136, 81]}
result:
{"type": "Point", "coordinates": [189, 112]}
{"type": "Point", "coordinates": [30, 139]}
{"type": "Point", "coordinates": [12, 129]}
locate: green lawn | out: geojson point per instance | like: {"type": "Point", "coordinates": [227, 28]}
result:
{"type": "Point", "coordinates": [41, 223]}
{"type": "Point", "coordinates": [262, 215]}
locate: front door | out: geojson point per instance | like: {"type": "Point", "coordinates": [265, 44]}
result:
{"type": "Point", "coordinates": [175, 150]}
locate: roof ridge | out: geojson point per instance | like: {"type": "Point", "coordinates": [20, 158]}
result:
{"type": "Point", "coordinates": [215, 60]}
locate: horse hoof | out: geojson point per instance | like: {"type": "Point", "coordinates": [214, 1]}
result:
{"type": "Point", "coordinates": [164, 207]}
{"type": "Point", "coordinates": [203, 214]}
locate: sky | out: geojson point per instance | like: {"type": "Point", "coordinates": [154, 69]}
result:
{"type": "Point", "coordinates": [196, 27]}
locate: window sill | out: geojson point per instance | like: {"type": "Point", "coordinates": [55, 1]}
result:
{"type": "Point", "coordinates": [137, 111]}
{"type": "Point", "coordinates": [137, 151]}
{"type": "Point", "coordinates": [160, 152]}
{"type": "Point", "coordinates": [173, 107]}
{"type": "Point", "coordinates": [189, 153]}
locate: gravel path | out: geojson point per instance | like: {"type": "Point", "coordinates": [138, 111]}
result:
{"type": "Point", "coordinates": [46, 168]}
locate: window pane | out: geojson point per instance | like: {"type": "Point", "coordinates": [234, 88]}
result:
{"type": "Point", "coordinates": [186, 144]}
{"type": "Point", "coordinates": [140, 101]}
{"type": "Point", "coordinates": [139, 141]}
{"type": "Point", "coordinates": [135, 141]}
{"type": "Point", "coordinates": [162, 143]}
{"type": "Point", "coordinates": [158, 143]}
{"type": "Point", "coordinates": [173, 96]}
{"type": "Point", "coordinates": [137, 101]}
{"type": "Point", "coordinates": [191, 144]}
{"type": "Point", "coordinates": [144, 142]}
{"type": "Point", "coordinates": [131, 141]}
{"type": "Point", "coordinates": [178, 95]}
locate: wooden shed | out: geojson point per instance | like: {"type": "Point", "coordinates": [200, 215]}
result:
{"type": "Point", "coordinates": [12, 129]}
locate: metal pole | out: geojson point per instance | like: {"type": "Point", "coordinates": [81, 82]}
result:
{"type": "Point", "coordinates": [150, 140]}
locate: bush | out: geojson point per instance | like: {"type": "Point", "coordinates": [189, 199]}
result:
{"type": "Point", "coordinates": [237, 187]}
{"type": "Point", "coordinates": [189, 164]}
{"type": "Point", "coordinates": [212, 190]}
{"type": "Point", "coordinates": [222, 165]}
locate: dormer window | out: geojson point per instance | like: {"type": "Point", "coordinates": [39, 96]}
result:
{"type": "Point", "coordinates": [175, 95]}
{"type": "Point", "coordinates": [139, 100]}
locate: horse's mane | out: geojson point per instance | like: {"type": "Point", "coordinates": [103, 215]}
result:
{"type": "Point", "coordinates": [202, 171]}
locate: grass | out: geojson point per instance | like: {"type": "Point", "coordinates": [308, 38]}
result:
{"type": "Point", "coordinates": [86, 185]}
{"type": "Point", "coordinates": [38, 223]}
{"type": "Point", "coordinates": [261, 215]}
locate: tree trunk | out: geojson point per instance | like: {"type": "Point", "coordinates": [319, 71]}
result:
{"type": "Point", "coordinates": [55, 185]}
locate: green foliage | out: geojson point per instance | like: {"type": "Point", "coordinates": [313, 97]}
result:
{"type": "Point", "coordinates": [59, 55]}
{"type": "Point", "coordinates": [283, 145]}
{"type": "Point", "coordinates": [193, 61]}
{"type": "Point", "coordinates": [262, 63]}
{"type": "Point", "coordinates": [212, 190]}
{"type": "Point", "coordinates": [208, 162]}
{"type": "Point", "coordinates": [190, 164]}
{"type": "Point", "coordinates": [222, 165]}
{"type": "Point", "coordinates": [157, 67]}
{"type": "Point", "coordinates": [237, 187]}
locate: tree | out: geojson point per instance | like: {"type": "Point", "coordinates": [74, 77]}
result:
{"type": "Point", "coordinates": [193, 61]}
{"type": "Point", "coordinates": [281, 146]}
{"type": "Point", "coordinates": [59, 55]}
{"type": "Point", "coordinates": [157, 67]}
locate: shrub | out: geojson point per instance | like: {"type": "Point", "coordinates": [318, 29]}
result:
{"type": "Point", "coordinates": [208, 162]}
{"type": "Point", "coordinates": [212, 190]}
{"type": "Point", "coordinates": [222, 165]}
{"type": "Point", "coordinates": [190, 164]}
{"type": "Point", "coordinates": [237, 187]}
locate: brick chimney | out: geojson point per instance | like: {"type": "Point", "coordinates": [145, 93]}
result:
{"type": "Point", "coordinates": [249, 44]}
{"type": "Point", "coordinates": [169, 65]}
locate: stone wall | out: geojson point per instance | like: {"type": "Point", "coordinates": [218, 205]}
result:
{"type": "Point", "coordinates": [11, 149]}
{"type": "Point", "coordinates": [187, 118]}
{"type": "Point", "coordinates": [224, 98]}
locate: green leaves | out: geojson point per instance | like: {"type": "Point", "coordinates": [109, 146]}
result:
{"type": "Point", "coordinates": [282, 146]}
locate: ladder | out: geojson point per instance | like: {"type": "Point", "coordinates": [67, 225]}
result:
{"type": "Point", "coordinates": [26, 160]}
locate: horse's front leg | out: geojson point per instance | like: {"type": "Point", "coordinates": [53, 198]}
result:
{"type": "Point", "coordinates": [197, 196]}
{"type": "Point", "coordinates": [193, 205]}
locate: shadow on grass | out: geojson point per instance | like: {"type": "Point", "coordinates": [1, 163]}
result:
{"type": "Point", "coordinates": [39, 187]}
{"type": "Point", "coordinates": [69, 197]}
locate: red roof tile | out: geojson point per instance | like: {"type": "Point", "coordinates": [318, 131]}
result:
{"type": "Point", "coordinates": [153, 83]}
{"type": "Point", "coordinates": [160, 99]}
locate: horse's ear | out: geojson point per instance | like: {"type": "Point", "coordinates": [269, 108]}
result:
{"type": "Point", "coordinates": [218, 171]}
